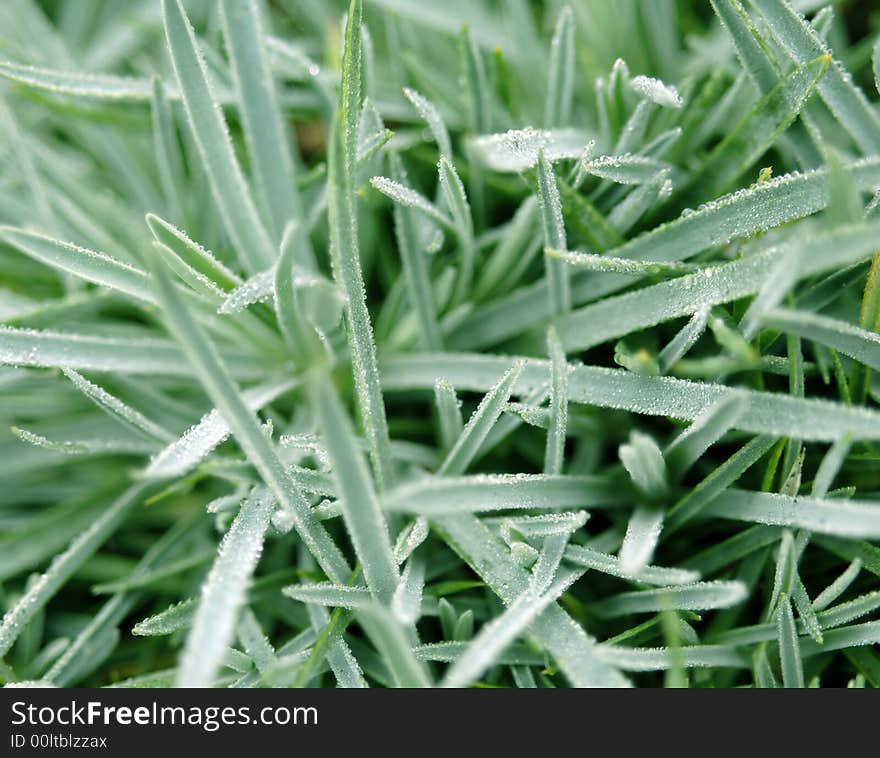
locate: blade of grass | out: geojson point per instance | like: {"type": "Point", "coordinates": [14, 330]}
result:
{"type": "Point", "coordinates": [223, 593]}
{"type": "Point", "coordinates": [363, 517]}
{"type": "Point", "coordinates": [480, 424]}
{"type": "Point", "coordinates": [560, 84]}
{"type": "Point", "coordinates": [346, 251]}
{"type": "Point", "coordinates": [237, 210]}
{"type": "Point", "coordinates": [268, 146]}
{"type": "Point", "coordinates": [763, 412]}
{"type": "Point", "coordinates": [554, 236]}
{"type": "Point", "coordinates": [554, 454]}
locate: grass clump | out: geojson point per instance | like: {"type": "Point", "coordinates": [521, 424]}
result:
{"type": "Point", "coordinates": [516, 345]}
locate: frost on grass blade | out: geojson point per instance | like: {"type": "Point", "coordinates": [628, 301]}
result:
{"type": "Point", "coordinates": [223, 593]}
{"type": "Point", "coordinates": [701, 596]}
{"type": "Point", "coordinates": [610, 264]}
{"type": "Point", "coordinates": [623, 169]}
{"type": "Point", "coordinates": [268, 145]}
{"type": "Point", "coordinates": [87, 264]}
{"type": "Point", "coordinates": [31, 347]}
{"type": "Point", "coordinates": [192, 253]}
{"type": "Point", "coordinates": [363, 517]}
{"type": "Point", "coordinates": [487, 492]}
{"type": "Point", "coordinates": [801, 43]}
{"type": "Point", "coordinates": [480, 424]}
{"type": "Point", "coordinates": [200, 439]}
{"type": "Point", "coordinates": [332, 595]}
{"type": "Point", "coordinates": [845, 518]}
{"type": "Point", "coordinates": [554, 455]}
{"type": "Point", "coordinates": [78, 83]}
{"type": "Point", "coordinates": [116, 407]}
{"type": "Point", "coordinates": [429, 113]}
{"type": "Point", "coordinates": [763, 412]}
{"type": "Point", "coordinates": [711, 286]}
{"type": "Point", "coordinates": [560, 84]}
{"type": "Point", "coordinates": [550, 209]}
{"type": "Point", "coordinates": [410, 198]}
{"type": "Point", "coordinates": [517, 149]}
{"type": "Point", "coordinates": [850, 340]}
{"type": "Point", "coordinates": [610, 564]}
{"type": "Point", "coordinates": [657, 92]}
{"type": "Point", "coordinates": [238, 212]}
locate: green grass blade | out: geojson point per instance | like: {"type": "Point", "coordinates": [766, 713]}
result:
{"type": "Point", "coordinates": [749, 46]}
{"type": "Point", "coordinates": [845, 518]}
{"type": "Point", "coordinates": [268, 145]}
{"type": "Point", "coordinates": [622, 169]}
{"type": "Point", "coordinates": [392, 643]}
{"type": "Point", "coordinates": [701, 596]}
{"type": "Point", "coordinates": [480, 424]}
{"type": "Point", "coordinates": [29, 347]}
{"type": "Point", "coordinates": [415, 267]}
{"type": "Point", "coordinates": [610, 264]}
{"type": "Point", "coordinates": [554, 454]}
{"type": "Point", "coordinates": [838, 586]}
{"type": "Point", "coordinates": [169, 160]}
{"type": "Point", "coordinates": [406, 603]}
{"type": "Point", "coordinates": [300, 336]}
{"type": "Point", "coordinates": [763, 413]}
{"type": "Point", "coordinates": [850, 340]}
{"type": "Point", "coordinates": [116, 408]}
{"type": "Point", "coordinates": [363, 517]}
{"type": "Point", "coordinates": [610, 564]}
{"type": "Point", "coordinates": [192, 254]}
{"type": "Point", "coordinates": [789, 649]}
{"type": "Point", "coordinates": [560, 84]}
{"type": "Point", "coordinates": [448, 414]}
{"type": "Point", "coordinates": [86, 264]}
{"type": "Point", "coordinates": [76, 83]}
{"type": "Point", "coordinates": [486, 492]}
{"type": "Point", "coordinates": [554, 236]}
{"type": "Point", "coordinates": [715, 483]}
{"type": "Point", "coordinates": [707, 429]}
{"type": "Point", "coordinates": [223, 593]}
{"type": "Point", "coordinates": [432, 117]}
{"type": "Point", "coordinates": [346, 251]}
{"type": "Point", "coordinates": [663, 659]}
{"type": "Point", "coordinates": [685, 295]}
{"type": "Point", "coordinates": [640, 540]}
{"type": "Point", "coordinates": [333, 595]}
{"type": "Point", "coordinates": [409, 198]}
{"type": "Point", "coordinates": [238, 212]}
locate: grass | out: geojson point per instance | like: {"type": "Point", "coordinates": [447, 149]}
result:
{"type": "Point", "coordinates": [518, 345]}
